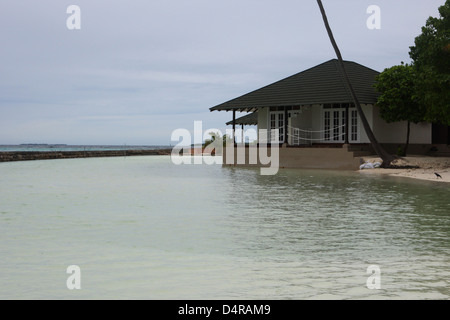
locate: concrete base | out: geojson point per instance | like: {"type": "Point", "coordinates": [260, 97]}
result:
{"type": "Point", "coordinates": [413, 149]}
{"type": "Point", "coordinates": [291, 157]}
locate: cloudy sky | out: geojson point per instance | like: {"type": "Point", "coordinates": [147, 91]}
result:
{"type": "Point", "coordinates": [139, 69]}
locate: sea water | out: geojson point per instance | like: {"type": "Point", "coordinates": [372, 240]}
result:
{"type": "Point", "coordinates": [144, 228]}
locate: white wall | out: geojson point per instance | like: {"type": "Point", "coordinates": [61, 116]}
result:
{"type": "Point", "coordinates": [316, 121]}
{"type": "Point", "coordinates": [368, 112]}
{"type": "Point", "coordinates": [300, 119]}
{"type": "Point", "coordinates": [263, 115]}
{"type": "Point", "coordinates": [303, 119]}
{"type": "Point", "coordinates": [396, 132]}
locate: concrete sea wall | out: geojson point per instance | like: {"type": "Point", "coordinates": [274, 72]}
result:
{"type": "Point", "coordinates": [42, 155]}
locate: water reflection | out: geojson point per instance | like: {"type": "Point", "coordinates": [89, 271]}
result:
{"type": "Point", "coordinates": [336, 215]}
{"type": "Point", "coordinates": [165, 231]}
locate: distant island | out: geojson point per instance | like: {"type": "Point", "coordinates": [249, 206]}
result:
{"type": "Point", "coordinates": [42, 145]}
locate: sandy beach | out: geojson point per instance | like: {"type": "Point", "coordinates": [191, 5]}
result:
{"type": "Point", "coordinates": [416, 167]}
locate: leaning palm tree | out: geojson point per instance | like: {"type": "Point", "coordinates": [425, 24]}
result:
{"type": "Point", "coordinates": [386, 157]}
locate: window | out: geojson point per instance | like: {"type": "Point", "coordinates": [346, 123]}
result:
{"type": "Point", "coordinates": [281, 126]}
{"type": "Point", "coordinates": [354, 126]}
{"type": "Point", "coordinates": [344, 124]}
{"type": "Point", "coordinates": [277, 123]}
{"type": "Point", "coordinates": [327, 125]}
{"type": "Point", "coordinates": [336, 124]}
{"type": "Point", "coordinates": [272, 121]}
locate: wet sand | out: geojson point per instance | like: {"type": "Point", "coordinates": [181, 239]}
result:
{"type": "Point", "coordinates": [416, 167]}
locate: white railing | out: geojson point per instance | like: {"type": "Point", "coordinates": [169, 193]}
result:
{"type": "Point", "coordinates": [301, 137]}
{"type": "Point", "coordinates": [307, 137]}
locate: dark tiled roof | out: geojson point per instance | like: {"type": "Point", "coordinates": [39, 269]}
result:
{"type": "Point", "coordinates": [321, 84]}
{"type": "Point", "coordinates": [249, 119]}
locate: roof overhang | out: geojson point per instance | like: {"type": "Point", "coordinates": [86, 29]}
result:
{"type": "Point", "coordinates": [233, 108]}
{"type": "Point", "coordinates": [248, 120]}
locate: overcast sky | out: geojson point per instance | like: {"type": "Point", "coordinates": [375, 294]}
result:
{"type": "Point", "coordinates": [139, 69]}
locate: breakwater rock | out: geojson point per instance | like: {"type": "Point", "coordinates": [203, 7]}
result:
{"type": "Point", "coordinates": [48, 155]}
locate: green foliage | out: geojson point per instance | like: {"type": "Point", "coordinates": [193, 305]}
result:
{"type": "Point", "coordinates": [397, 101]}
{"type": "Point", "coordinates": [216, 136]}
{"type": "Point", "coordinates": [431, 56]}
{"type": "Point", "coordinates": [401, 152]}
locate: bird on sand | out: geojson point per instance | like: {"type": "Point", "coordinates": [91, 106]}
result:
{"type": "Point", "coordinates": [438, 175]}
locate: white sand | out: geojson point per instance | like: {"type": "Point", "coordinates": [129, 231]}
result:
{"type": "Point", "coordinates": [417, 167]}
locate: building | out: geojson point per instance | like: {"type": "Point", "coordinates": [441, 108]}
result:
{"type": "Point", "coordinates": [313, 109]}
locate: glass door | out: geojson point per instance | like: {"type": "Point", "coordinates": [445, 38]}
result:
{"type": "Point", "coordinates": [334, 125]}
{"type": "Point", "coordinates": [334, 122]}
{"type": "Point", "coordinates": [277, 125]}
{"type": "Point", "coordinates": [354, 126]}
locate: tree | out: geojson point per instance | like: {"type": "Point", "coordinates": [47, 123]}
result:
{"type": "Point", "coordinates": [397, 101]}
{"type": "Point", "coordinates": [385, 157]}
{"type": "Point", "coordinates": [214, 136]}
{"type": "Point", "coordinates": [431, 56]}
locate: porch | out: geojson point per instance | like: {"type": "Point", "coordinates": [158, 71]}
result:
{"type": "Point", "coordinates": [322, 136]}
{"type": "Point", "coordinates": [304, 125]}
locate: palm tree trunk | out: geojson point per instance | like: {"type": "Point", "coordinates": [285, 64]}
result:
{"type": "Point", "coordinates": [408, 132]}
{"type": "Point", "coordinates": [387, 158]}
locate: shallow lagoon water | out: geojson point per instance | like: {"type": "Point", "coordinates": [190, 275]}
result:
{"type": "Point", "coordinates": [144, 228]}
